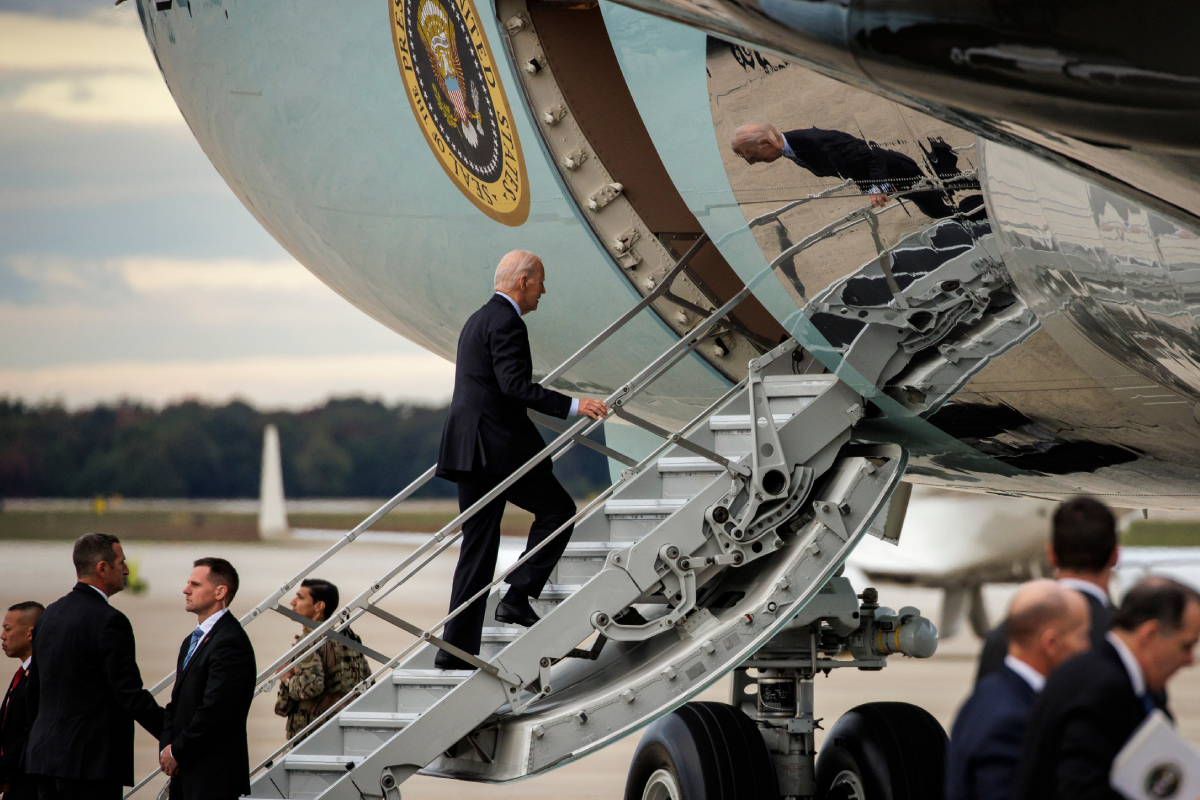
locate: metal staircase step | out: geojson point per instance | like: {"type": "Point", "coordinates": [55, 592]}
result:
{"type": "Point", "coordinates": [429, 677]}
{"type": "Point", "coordinates": [308, 776]}
{"type": "Point", "coordinates": [647, 507]}
{"type": "Point", "coordinates": [418, 689]}
{"type": "Point", "coordinates": [375, 720]}
{"type": "Point", "coordinates": [687, 464]}
{"type": "Point", "coordinates": [739, 422]}
{"type": "Point", "coordinates": [630, 520]}
{"type": "Point", "coordinates": [552, 595]}
{"type": "Point", "coordinates": [495, 639]}
{"type": "Point", "coordinates": [581, 560]}
{"type": "Point", "coordinates": [731, 433]}
{"type": "Point", "coordinates": [364, 731]}
{"type": "Point", "coordinates": [685, 477]}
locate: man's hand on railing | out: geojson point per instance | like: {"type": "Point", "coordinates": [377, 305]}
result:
{"type": "Point", "coordinates": [596, 409]}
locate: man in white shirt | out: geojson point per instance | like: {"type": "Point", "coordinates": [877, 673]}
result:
{"type": "Point", "coordinates": [203, 746]}
{"type": "Point", "coordinates": [1083, 551]}
{"type": "Point", "coordinates": [1093, 704]}
{"type": "Point", "coordinates": [1047, 624]}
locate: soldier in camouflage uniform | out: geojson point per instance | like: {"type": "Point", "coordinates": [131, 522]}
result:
{"type": "Point", "coordinates": [313, 685]}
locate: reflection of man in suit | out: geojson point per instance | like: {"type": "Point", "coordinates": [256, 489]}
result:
{"type": "Point", "coordinates": [203, 743]}
{"type": "Point", "coordinates": [488, 436]}
{"type": "Point", "coordinates": [1047, 624]}
{"type": "Point", "coordinates": [827, 154]}
{"type": "Point", "coordinates": [85, 688]}
{"type": "Point", "coordinates": [1094, 702]}
{"type": "Point", "coordinates": [16, 638]}
{"type": "Point", "coordinates": [1083, 552]}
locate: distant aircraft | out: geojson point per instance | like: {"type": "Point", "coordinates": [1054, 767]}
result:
{"type": "Point", "coordinates": [982, 274]}
{"type": "Point", "coordinates": [959, 542]}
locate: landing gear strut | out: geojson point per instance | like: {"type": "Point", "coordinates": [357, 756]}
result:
{"type": "Point", "coordinates": [763, 745]}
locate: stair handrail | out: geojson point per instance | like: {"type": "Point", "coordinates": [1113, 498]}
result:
{"type": "Point", "coordinates": [626, 476]}
{"type": "Point", "coordinates": [311, 642]}
{"type": "Point", "coordinates": [353, 610]}
{"type": "Point", "coordinates": [351, 535]}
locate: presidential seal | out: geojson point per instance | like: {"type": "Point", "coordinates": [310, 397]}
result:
{"type": "Point", "coordinates": [455, 92]}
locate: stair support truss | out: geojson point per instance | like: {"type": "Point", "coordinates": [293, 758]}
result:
{"type": "Point", "coordinates": [548, 708]}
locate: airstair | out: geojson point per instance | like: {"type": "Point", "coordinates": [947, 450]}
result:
{"type": "Point", "coordinates": [701, 554]}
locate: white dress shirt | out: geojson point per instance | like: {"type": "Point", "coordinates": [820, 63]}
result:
{"type": "Point", "coordinates": [207, 625]}
{"type": "Point", "coordinates": [99, 592]}
{"type": "Point", "coordinates": [1035, 679]}
{"type": "Point", "coordinates": [25, 664]}
{"type": "Point", "coordinates": [1131, 664]}
{"type": "Point", "coordinates": [574, 400]}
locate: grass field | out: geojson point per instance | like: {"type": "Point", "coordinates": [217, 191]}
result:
{"type": "Point", "coordinates": [194, 526]}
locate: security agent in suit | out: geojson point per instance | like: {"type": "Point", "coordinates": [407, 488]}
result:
{"type": "Point", "coordinates": [203, 743]}
{"type": "Point", "coordinates": [1083, 552]}
{"type": "Point", "coordinates": [85, 690]}
{"type": "Point", "coordinates": [488, 436]}
{"type": "Point", "coordinates": [1094, 702]}
{"type": "Point", "coordinates": [16, 639]}
{"type": "Point", "coordinates": [878, 172]}
{"type": "Point", "coordinates": [1047, 624]}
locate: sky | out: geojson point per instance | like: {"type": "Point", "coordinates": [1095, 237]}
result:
{"type": "Point", "coordinates": [128, 269]}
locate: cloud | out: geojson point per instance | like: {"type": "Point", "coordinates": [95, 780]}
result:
{"type": "Point", "coordinates": [130, 99]}
{"type": "Point", "coordinates": [33, 278]}
{"type": "Point", "coordinates": [295, 382]}
{"type": "Point", "coordinates": [95, 69]}
{"type": "Point", "coordinates": [150, 275]}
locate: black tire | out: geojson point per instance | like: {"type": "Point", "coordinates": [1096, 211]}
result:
{"type": "Point", "coordinates": [883, 751]}
{"type": "Point", "coordinates": [711, 750]}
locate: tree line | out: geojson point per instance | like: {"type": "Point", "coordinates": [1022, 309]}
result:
{"type": "Point", "coordinates": [345, 448]}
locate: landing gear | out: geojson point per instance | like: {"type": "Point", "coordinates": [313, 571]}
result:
{"type": "Point", "coordinates": [702, 751]}
{"type": "Point", "coordinates": [883, 750]}
{"type": "Point", "coordinates": [763, 746]}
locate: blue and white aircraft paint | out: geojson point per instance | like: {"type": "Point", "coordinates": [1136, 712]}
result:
{"type": "Point", "coordinates": [1033, 266]}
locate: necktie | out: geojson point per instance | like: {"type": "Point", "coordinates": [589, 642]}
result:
{"type": "Point", "coordinates": [1148, 702]}
{"type": "Point", "coordinates": [8, 698]}
{"type": "Point", "coordinates": [197, 635]}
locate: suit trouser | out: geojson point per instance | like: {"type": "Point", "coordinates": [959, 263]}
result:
{"type": "Point", "coordinates": [22, 787]}
{"type": "Point", "coordinates": [539, 493]}
{"type": "Point", "coordinates": [72, 789]}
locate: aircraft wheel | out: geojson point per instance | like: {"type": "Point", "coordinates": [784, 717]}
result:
{"type": "Point", "coordinates": [883, 750]}
{"type": "Point", "coordinates": [702, 751]}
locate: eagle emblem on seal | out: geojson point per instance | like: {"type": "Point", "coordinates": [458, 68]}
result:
{"type": "Point", "coordinates": [442, 49]}
{"type": "Point", "coordinates": [453, 84]}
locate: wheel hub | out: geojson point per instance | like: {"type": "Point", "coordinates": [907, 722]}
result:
{"type": "Point", "coordinates": [661, 785]}
{"type": "Point", "coordinates": [846, 785]}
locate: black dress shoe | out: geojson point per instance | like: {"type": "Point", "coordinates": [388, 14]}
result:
{"type": "Point", "coordinates": [516, 611]}
{"type": "Point", "coordinates": [444, 660]}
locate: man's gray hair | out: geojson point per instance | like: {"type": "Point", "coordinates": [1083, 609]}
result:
{"type": "Point", "coordinates": [513, 266]}
{"type": "Point", "coordinates": [752, 135]}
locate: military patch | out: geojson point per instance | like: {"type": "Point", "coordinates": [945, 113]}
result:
{"type": "Point", "coordinates": [455, 92]}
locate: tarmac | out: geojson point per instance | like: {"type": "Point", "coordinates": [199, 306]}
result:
{"type": "Point", "coordinates": [42, 571]}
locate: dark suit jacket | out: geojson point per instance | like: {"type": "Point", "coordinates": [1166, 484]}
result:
{"type": "Point", "coordinates": [14, 732]}
{"type": "Point", "coordinates": [488, 427]}
{"type": "Point", "coordinates": [995, 646]}
{"type": "Point", "coordinates": [828, 154]}
{"type": "Point", "coordinates": [86, 692]}
{"type": "Point", "coordinates": [985, 743]}
{"type": "Point", "coordinates": [205, 722]}
{"type": "Point", "coordinates": [1078, 724]}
